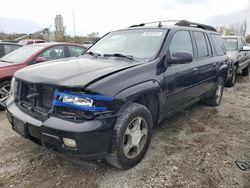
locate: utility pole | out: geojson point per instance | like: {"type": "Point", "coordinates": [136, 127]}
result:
{"type": "Point", "coordinates": [73, 16]}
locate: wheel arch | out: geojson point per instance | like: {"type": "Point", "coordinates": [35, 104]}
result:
{"type": "Point", "coordinates": [6, 79]}
{"type": "Point", "coordinates": [147, 93]}
{"type": "Point", "coordinates": [223, 72]}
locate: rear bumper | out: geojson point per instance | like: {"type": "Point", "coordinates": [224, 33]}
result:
{"type": "Point", "coordinates": [93, 138]}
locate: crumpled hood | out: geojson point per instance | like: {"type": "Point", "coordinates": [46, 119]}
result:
{"type": "Point", "coordinates": [232, 54]}
{"type": "Point", "coordinates": [72, 72]}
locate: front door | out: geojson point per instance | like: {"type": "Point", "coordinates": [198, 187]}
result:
{"type": "Point", "coordinates": [179, 77]}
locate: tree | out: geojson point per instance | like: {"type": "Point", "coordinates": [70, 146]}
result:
{"type": "Point", "coordinates": [59, 38]}
{"type": "Point", "coordinates": [248, 38]}
{"type": "Point", "coordinates": [243, 28]}
{"type": "Point", "coordinates": [93, 35]}
{"type": "Point", "coordinates": [238, 28]}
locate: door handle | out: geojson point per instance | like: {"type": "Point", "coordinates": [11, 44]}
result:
{"type": "Point", "coordinates": [214, 64]}
{"type": "Point", "coordinates": [195, 69]}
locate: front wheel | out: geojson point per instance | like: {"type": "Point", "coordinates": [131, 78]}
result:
{"type": "Point", "coordinates": [245, 71]}
{"type": "Point", "coordinates": [215, 100]}
{"type": "Point", "coordinates": [231, 81]}
{"type": "Point", "coordinates": [4, 93]}
{"type": "Point", "coordinates": [131, 137]}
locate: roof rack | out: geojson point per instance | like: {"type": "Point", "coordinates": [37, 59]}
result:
{"type": "Point", "coordinates": [158, 22]}
{"type": "Point", "coordinates": [179, 23]}
{"type": "Point", "coordinates": [193, 24]}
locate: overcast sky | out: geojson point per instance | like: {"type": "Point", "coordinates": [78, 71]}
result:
{"type": "Point", "coordinates": [105, 15]}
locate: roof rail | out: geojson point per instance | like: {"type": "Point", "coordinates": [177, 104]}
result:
{"type": "Point", "coordinates": [158, 22]}
{"type": "Point", "coordinates": [179, 23]}
{"type": "Point", "coordinates": [193, 24]}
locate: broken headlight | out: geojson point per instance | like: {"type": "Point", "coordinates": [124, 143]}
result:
{"type": "Point", "coordinates": [79, 101]}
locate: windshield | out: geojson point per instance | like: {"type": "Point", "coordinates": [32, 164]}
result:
{"type": "Point", "coordinates": [21, 54]}
{"type": "Point", "coordinates": [231, 44]}
{"type": "Point", "coordinates": [139, 44]}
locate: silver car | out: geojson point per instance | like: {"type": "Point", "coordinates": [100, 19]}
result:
{"type": "Point", "coordinates": [239, 53]}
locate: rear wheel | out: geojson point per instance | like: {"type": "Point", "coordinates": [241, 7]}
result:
{"type": "Point", "coordinates": [4, 93]}
{"type": "Point", "coordinates": [231, 81]}
{"type": "Point", "coordinates": [132, 135]}
{"type": "Point", "coordinates": [245, 71]}
{"type": "Point", "coordinates": [215, 100]}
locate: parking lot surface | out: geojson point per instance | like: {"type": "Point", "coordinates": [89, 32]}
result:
{"type": "Point", "coordinates": [196, 148]}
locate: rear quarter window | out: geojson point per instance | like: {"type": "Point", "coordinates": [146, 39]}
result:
{"type": "Point", "coordinates": [218, 44]}
{"type": "Point", "coordinates": [10, 48]}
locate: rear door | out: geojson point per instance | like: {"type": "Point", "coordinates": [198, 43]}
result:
{"type": "Point", "coordinates": [207, 65]}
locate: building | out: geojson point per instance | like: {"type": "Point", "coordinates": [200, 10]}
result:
{"type": "Point", "coordinates": [60, 30]}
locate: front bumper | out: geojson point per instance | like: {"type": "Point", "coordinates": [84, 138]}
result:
{"type": "Point", "coordinates": [93, 138]}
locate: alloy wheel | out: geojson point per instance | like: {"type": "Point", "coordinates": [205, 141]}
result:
{"type": "Point", "coordinates": [4, 93]}
{"type": "Point", "coordinates": [219, 92]}
{"type": "Point", "coordinates": [234, 76]}
{"type": "Point", "coordinates": [135, 137]}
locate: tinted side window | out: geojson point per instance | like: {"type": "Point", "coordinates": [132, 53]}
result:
{"type": "Point", "coordinates": [201, 44]}
{"type": "Point", "coordinates": [241, 44]}
{"type": "Point", "coordinates": [10, 48]}
{"type": "Point", "coordinates": [218, 44]}
{"type": "Point", "coordinates": [53, 53]}
{"type": "Point", "coordinates": [244, 42]}
{"type": "Point", "coordinates": [210, 52]}
{"type": "Point", "coordinates": [181, 42]}
{"type": "Point", "coordinates": [75, 51]}
{"type": "Point", "coordinates": [2, 53]}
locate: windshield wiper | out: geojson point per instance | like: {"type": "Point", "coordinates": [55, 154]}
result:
{"type": "Point", "coordinates": [92, 54]}
{"type": "Point", "coordinates": [5, 61]}
{"type": "Point", "coordinates": [130, 57]}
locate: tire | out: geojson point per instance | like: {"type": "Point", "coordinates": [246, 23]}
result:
{"type": "Point", "coordinates": [245, 71]}
{"type": "Point", "coordinates": [231, 81]}
{"type": "Point", "coordinates": [216, 98]}
{"type": "Point", "coordinates": [124, 152]}
{"type": "Point", "coordinates": [4, 93]}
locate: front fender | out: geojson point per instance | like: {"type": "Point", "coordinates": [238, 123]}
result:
{"type": "Point", "coordinates": [130, 94]}
{"type": "Point", "coordinates": [140, 89]}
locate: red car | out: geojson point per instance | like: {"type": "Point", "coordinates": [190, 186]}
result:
{"type": "Point", "coordinates": [32, 54]}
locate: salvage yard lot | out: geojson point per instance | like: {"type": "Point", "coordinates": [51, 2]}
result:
{"type": "Point", "coordinates": [195, 148]}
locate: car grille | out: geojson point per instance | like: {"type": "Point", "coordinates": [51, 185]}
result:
{"type": "Point", "coordinates": [37, 101]}
{"type": "Point", "coordinates": [35, 98]}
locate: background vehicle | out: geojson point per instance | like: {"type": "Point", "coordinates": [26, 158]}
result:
{"type": "Point", "coordinates": [238, 52]}
{"type": "Point", "coordinates": [30, 41]}
{"type": "Point", "coordinates": [105, 103]}
{"type": "Point", "coordinates": [88, 44]}
{"type": "Point", "coordinates": [7, 47]}
{"type": "Point", "coordinates": [29, 55]}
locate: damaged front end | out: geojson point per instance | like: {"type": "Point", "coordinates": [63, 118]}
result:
{"type": "Point", "coordinates": [66, 120]}
{"type": "Point", "coordinates": [42, 101]}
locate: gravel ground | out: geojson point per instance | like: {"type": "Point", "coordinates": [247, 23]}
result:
{"type": "Point", "coordinates": [196, 148]}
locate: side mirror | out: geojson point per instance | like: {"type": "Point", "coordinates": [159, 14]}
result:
{"type": "Point", "coordinates": [246, 48]}
{"type": "Point", "coordinates": [180, 58]}
{"type": "Point", "coordinates": [40, 59]}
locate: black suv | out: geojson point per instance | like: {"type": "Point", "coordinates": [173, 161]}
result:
{"type": "Point", "coordinates": [105, 103]}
